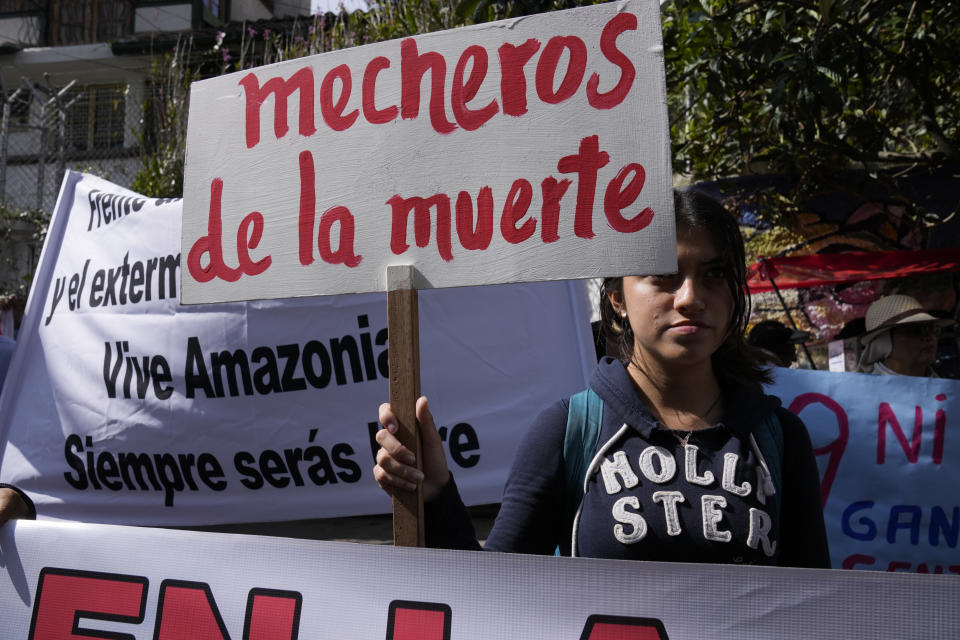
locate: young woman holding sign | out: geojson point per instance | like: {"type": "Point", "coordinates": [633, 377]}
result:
{"type": "Point", "coordinates": [676, 454]}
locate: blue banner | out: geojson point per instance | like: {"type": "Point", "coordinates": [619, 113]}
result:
{"type": "Point", "coordinates": [888, 450]}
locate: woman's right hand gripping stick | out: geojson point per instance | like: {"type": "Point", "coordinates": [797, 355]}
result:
{"type": "Point", "coordinates": [396, 465]}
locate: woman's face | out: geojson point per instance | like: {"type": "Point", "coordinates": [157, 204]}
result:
{"type": "Point", "coordinates": [679, 319]}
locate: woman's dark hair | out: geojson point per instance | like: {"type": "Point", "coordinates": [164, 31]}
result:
{"type": "Point", "coordinates": [734, 359]}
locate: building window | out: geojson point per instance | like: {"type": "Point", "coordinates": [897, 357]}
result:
{"type": "Point", "coordinates": [215, 7]}
{"type": "Point", "coordinates": [72, 22]}
{"type": "Point", "coordinates": [95, 122]}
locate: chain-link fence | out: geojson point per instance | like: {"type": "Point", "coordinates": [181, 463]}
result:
{"type": "Point", "coordinates": [46, 130]}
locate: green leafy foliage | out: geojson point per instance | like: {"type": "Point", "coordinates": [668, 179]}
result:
{"type": "Point", "coordinates": [811, 89]}
{"type": "Point", "coordinates": [29, 228]}
{"type": "Point", "coordinates": [164, 131]}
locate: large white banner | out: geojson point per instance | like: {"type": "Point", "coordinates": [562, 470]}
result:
{"type": "Point", "coordinates": [61, 582]}
{"type": "Point", "coordinates": [121, 406]}
{"type": "Point", "coordinates": [530, 149]}
{"type": "Point", "coordinates": [888, 448]}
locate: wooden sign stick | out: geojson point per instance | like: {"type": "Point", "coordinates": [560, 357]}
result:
{"type": "Point", "coordinates": [403, 327]}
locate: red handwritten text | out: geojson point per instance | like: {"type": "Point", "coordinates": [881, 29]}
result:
{"type": "Point", "coordinates": [516, 224]}
{"type": "Point", "coordinates": [336, 86]}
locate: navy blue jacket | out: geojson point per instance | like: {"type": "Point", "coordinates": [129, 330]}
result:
{"type": "Point", "coordinates": [651, 498]}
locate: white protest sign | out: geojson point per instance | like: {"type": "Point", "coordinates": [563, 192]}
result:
{"type": "Point", "coordinates": [529, 149]}
{"type": "Point", "coordinates": [889, 457]}
{"type": "Point", "coordinates": [121, 406]}
{"type": "Point", "coordinates": [71, 581]}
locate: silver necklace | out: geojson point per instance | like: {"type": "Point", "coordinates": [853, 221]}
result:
{"type": "Point", "coordinates": [684, 439]}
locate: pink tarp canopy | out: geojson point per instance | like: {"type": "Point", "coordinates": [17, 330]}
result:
{"type": "Point", "coordinates": [840, 268]}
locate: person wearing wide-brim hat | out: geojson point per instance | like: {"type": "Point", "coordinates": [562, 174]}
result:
{"type": "Point", "coordinates": [901, 338]}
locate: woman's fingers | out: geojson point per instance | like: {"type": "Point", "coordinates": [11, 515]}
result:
{"type": "Point", "coordinates": [398, 468]}
{"type": "Point", "coordinates": [392, 446]}
{"type": "Point", "coordinates": [390, 483]}
{"type": "Point", "coordinates": [396, 464]}
{"type": "Point", "coordinates": [386, 417]}
{"type": "Point", "coordinates": [391, 473]}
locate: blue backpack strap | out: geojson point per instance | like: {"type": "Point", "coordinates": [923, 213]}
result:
{"type": "Point", "coordinates": [584, 418]}
{"type": "Point", "coordinates": [769, 436]}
